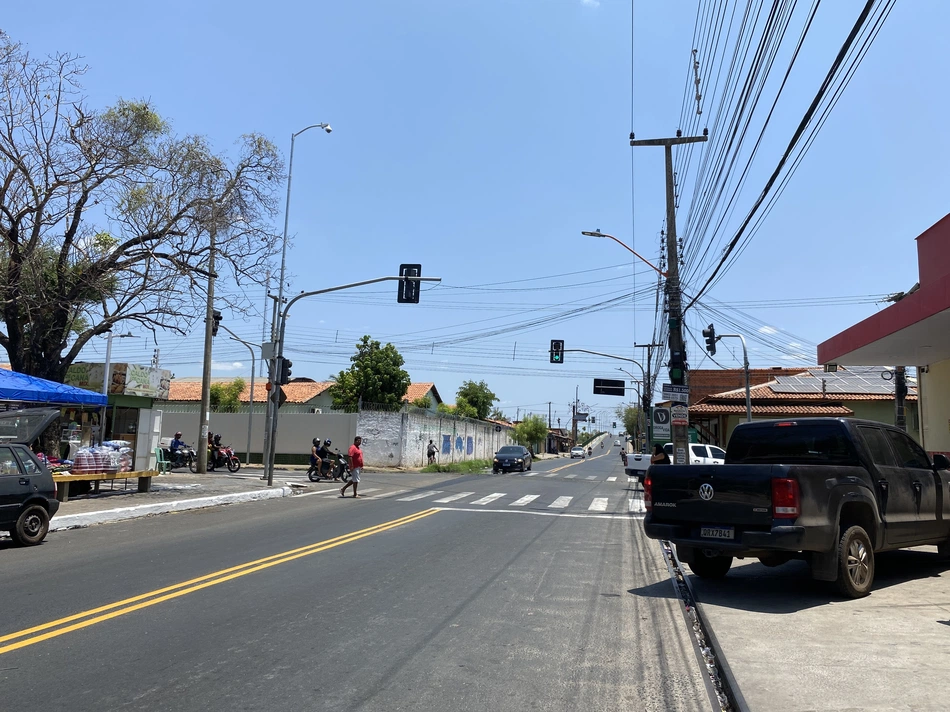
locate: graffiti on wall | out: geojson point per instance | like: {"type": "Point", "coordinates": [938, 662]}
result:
{"type": "Point", "coordinates": [470, 445]}
{"type": "Point", "coordinates": [446, 444]}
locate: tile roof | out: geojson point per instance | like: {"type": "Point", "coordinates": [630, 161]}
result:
{"type": "Point", "coordinates": [419, 390]}
{"type": "Point", "coordinates": [706, 382]}
{"type": "Point", "coordinates": [765, 392]}
{"type": "Point", "coordinates": [296, 391]}
{"type": "Point", "coordinates": [779, 410]}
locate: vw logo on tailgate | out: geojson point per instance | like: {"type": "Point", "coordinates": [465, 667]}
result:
{"type": "Point", "coordinates": [706, 491]}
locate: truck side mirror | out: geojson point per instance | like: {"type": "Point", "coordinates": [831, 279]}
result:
{"type": "Point", "coordinates": [941, 462]}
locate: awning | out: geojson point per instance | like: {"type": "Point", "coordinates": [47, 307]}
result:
{"type": "Point", "coordinates": [21, 388]}
{"type": "Point", "coordinates": [914, 331]}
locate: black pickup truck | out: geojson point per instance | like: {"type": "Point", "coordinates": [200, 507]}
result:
{"type": "Point", "coordinates": [830, 490]}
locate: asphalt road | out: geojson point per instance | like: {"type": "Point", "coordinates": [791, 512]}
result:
{"type": "Point", "coordinates": [491, 592]}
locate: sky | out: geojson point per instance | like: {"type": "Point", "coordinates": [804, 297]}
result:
{"type": "Point", "coordinates": [479, 138]}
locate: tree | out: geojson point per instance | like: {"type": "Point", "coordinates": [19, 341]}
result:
{"type": "Point", "coordinates": [461, 409]}
{"type": "Point", "coordinates": [532, 430]}
{"type": "Point", "coordinates": [478, 396]}
{"type": "Point", "coordinates": [423, 402]}
{"type": "Point", "coordinates": [226, 397]}
{"type": "Point", "coordinates": [106, 216]}
{"type": "Point", "coordinates": [630, 415]}
{"type": "Point", "coordinates": [375, 376]}
{"type": "Point", "coordinates": [498, 414]}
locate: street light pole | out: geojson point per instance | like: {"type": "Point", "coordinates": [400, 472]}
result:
{"type": "Point", "coordinates": [279, 353]}
{"type": "Point", "coordinates": [745, 365]}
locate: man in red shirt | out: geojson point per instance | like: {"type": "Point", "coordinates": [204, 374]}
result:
{"type": "Point", "coordinates": [356, 466]}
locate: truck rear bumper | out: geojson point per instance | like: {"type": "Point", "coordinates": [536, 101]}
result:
{"type": "Point", "coordinates": [780, 538]}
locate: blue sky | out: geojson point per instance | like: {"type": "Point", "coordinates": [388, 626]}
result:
{"type": "Point", "coordinates": [480, 138]}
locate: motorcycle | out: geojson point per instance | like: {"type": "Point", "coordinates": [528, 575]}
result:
{"type": "Point", "coordinates": [340, 467]}
{"type": "Point", "coordinates": [183, 457]}
{"type": "Point", "coordinates": [223, 456]}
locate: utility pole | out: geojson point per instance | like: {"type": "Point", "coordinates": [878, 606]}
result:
{"type": "Point", "coordinates": [900, 392]}
{"type": "Point", "coordinates": [647, 395]}
{"type": "Point", "coordinates": [205, 417]}
{"type": "Point", "coordinates": [677, 364]}
{"type": "Point", "coordinates": [549, 415]}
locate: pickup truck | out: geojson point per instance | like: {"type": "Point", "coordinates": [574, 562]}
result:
{"type": "Point", "coordinates": [832, 491]}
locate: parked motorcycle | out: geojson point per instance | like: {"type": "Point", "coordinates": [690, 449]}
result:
{"type": "Point", "coordinates": [183, 457]}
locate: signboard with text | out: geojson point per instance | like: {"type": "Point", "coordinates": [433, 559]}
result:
{"type": "Point", "coordinates": [675, 393]}
{"type": "Point", "coordinates": [661, 424]}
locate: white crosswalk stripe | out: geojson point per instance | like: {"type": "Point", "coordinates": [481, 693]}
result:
{"type": "Point", "coordinates": [569, 477]}
{"type": "Point", "coordinates": [453, 497]}
{"type": "Point", "coordinates": [598, 505]}
{"type": "Point", "coordinates": [553, 474]}
{"type": "Point", "coordinates": [560, 503]}
{"type": "Point", "coordinates": [592, 477]}
{"type": "Point", "coordinates": [490, 498]}
{"type": "Point", "coordinates": [530, 474]}
{"type": "Point", "coordinates": [527, 499]}
{"type": "Point", "coordinates": [419, 495]}
{"type": "Point", "coordinates": [611, 479]}
{"type": "Point", "coordinates": [384, 495]}
{"type": "Point", "coordinates": [636, 505]}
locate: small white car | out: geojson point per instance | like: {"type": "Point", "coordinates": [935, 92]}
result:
{"type": "Point", "coordinates": [701, 454]}
{"type": "Point", "coordinates": [616, 443]}
{"type": "Point", "coordinates": [578, 452]}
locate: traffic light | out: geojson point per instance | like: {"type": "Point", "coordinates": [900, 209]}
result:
{"type": "Point", "coordinates": [614, 424]}
{"type": "Point", "coordinates": [215, 320]}
{"type": "Point", "coordinates": [284, 375]}
{"type": "Point", "coordinates": [710, 335]}
{"type": "Point", "coordinates": [409, 288]}
{"type": "Point", "coordinates": [557, 351]}
{"type": "Point", "coordinates": [677, 368]}
{"type": "Point", "coordinates": [593, 419]}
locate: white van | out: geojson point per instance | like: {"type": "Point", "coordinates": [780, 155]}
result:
{"type": "Point", "coordinates": [700, 454]}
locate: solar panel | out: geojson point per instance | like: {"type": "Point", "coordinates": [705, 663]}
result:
{"type": "Point", "coordinates": [856, 380]}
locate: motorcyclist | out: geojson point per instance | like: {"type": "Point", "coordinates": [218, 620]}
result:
{"type": "Point", "coordinates": [176, 444]}
{"type": "Point", "coordinates": [326, 456]}
{"type": "Point", "coordinates": [214, 451]}
{"type": "Point", "coordinates": [590, 451]}
{"type": "Point", "coordinates": [315, 461]}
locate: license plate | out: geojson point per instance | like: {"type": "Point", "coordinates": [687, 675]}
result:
{"type": "Point", "coordinates": [717, 532]}
{"type": "Point", "coordinates": [507, 463]}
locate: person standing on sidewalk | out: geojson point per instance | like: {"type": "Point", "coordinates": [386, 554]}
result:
{"type": "Point", "coordinates": [356, 466]}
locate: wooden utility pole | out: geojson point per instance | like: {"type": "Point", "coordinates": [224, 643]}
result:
{"type": "Point", "coordinates": [677, 364]}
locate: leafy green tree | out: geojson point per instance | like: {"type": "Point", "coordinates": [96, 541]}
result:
{"type": "Point", "coordinates": [531, 431]}
{"type": "Point", "coordinates": [461, 409]}
{"type": "Point", "coordinates": [478, 396]}
{"type": "Point", "coordinates": [630, 415]}
{"type": "Point", "coordinates": [498, 414]}
{"type": "Point", "coordinates": [375, 376]}
{"type": "Point", "coordinates": [423, 402]}
{"type": "Point", "coordinates": [226, 397]}
{"type": "Point", "coordinates": [106, 216]}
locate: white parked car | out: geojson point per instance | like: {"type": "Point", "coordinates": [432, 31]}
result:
{"type": "Point", "coordinates": [701, 454]}
{"type": "Point", "coordinates": [578, 452]}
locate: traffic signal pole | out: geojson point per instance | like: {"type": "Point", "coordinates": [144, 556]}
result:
{"type": "Point", "coordinates": [677, 364]}
{"type": "Point", "coordinates": [279, 356]}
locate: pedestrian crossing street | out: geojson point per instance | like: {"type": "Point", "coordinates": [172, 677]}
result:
{"type": "Point", "coordinates": [623, 503]}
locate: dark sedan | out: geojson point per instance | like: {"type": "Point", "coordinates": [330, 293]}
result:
{"type": "Point", "coordinates": [512, 457]}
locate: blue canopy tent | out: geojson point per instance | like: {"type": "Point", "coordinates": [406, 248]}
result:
{"type": "Point", "coordinates": [21, 388]}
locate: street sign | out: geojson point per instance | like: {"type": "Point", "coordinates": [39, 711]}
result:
{"type": "Point", "coordinates": [679, 414]}
{"type": "Point", "coordinates": [580, 416]}
{"type": "Point", "coordinates": [661, 424]}
{"type": "Point", "coordinates": [281, 397]}
{"type": "Point", "coordinates": [608, 387]}
{"type": "Point", "coordinates": [675, 393]}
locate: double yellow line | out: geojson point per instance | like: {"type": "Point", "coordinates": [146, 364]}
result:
{"type": "Point", "coordinates": [77, 621]}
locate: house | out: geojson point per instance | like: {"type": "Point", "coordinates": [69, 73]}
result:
{"type": "Point", "coordinates": [300, 391]}
{"type": "Point", "coordinates": [858, 392]}
{"type": "Point", "coordinates": [423, 390]}
{"type": "Point", "coordinates": [704, 382]}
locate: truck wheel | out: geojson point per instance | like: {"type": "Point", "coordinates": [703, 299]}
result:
{"type": "Point", "coordinates": [706, 566]}
{"type": "Point", "coordinates": [31, 526]}
{"type": "Point", "coordinates": [944, 549]}
{"type": "Point", "coordinates": [855, 563]}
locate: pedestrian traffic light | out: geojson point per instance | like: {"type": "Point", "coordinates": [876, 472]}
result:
{"type": "Point", "coordinates": [710, 335]}
{"type": "Point", "coordinates": [215, 321]}
{"type": "Point", "coordinates": [284, 376]}
{"type": "Point", "coordinates": [557, 351]}
{"type": "Point", "coordinates": [409, 288]}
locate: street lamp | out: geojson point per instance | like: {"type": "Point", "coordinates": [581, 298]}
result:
{"type": "Point", "coordinates": [250, 409]}
{"type": "Point", "coordinates": [598, 233]}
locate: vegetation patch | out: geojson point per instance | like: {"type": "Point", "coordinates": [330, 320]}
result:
{"type": "Point", "coordinates": [463, 466]}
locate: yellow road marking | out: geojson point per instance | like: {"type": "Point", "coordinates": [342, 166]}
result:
{"type": "Point", "coordinates": [155, 597]}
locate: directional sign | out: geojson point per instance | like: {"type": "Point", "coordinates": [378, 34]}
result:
{"type": "Point", "coordinates": [675, 393]}
{"type": "Point", "coordinates": [661, 424]}
{"type": "Point", "coordinates": [679, 415]}
{"type": "Point", "coordinates": [580, 416]}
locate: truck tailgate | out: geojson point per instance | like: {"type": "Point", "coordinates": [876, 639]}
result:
{"type": "Point", "coordinates": [738, 495]}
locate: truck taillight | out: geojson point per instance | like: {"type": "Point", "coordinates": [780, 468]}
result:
{"type": "Point", "coordinates": [648, 493]}
{"type": "Point", "coordinates": [786, 499]}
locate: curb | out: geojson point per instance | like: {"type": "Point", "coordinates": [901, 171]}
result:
{"type": "Point", "coordinates": [86, 519]}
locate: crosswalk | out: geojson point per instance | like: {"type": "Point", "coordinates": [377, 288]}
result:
{"type": "Point", "coordinates": [630, 504]}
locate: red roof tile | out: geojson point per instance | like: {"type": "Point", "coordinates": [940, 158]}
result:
{"type": "Point", "coordinates": [776, 410]}
{"type": "Point", "coordinates": [706, 382]}
{"type": "Point", "coordinates": [296, 392]}
{"type": "Point", "coordinates": [419, 390]}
